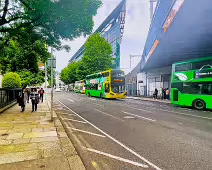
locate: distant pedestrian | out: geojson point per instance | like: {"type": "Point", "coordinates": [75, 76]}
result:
{"type": "Point", "coordinates": [155, 94]}
{"type": "Point", "coordinates": [167, 94]}
{"type": "Point", "coordinates": [41, 92]}
{"type": "Point", "coordinates": [28, 94]}
{"type": "Point", "coordinates": [34, 96]}
{"type": "Point", "coordinates": [163, 94]}
{"type": "Point", "coordinates": [22, 98]}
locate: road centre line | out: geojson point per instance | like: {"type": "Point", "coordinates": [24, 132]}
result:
{"type": "Point", "coordinates": [117, 158]}
{"type": "Point", "coordinates": [153, 120]}
{"type": "Point", "coordinates": [113, 139]}
{"type": "Point", "coordinates": [109, 115]}
{"type": "Point", "coordinates": [90, 133]}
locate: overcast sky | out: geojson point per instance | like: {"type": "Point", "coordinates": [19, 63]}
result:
{"type": "Point", "coordinates": [136, 29]}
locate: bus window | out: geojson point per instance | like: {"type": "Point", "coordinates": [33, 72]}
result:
{"type": "Point", "coordinates": [183, 67]}
{"type": "Point", "coordinates": [105, 74]}
{"type": "Point", "coordinates": [202, 64]}
{"type": "Point", "coordinates": [198, 88]}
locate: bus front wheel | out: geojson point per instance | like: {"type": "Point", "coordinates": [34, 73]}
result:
{"type": "Point", "coordinates": [199, 104]}
{"type": "Point", "coordinates": [101, 96]}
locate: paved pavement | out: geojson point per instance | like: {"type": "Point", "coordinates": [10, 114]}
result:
{"type": "Point", "coordinates": [29, 141]}
{"type": "Point", "coordinates": [135, 134]}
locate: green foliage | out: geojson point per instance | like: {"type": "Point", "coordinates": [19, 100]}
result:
{"type": "Point", "coordinates": [28, 78]}
{"type": "Point", "coordinates": [11, 80]}
{"type": "Point", "coordinates": [54, 20]}
{"type": "Point", "coordinates": [97, 56]}
{"type": "Point", "coordinates": [68, 74]}
{"type": "Point", "coordinates": [23, 54]}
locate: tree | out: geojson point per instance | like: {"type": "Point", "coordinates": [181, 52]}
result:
{"type": "Point", "coordinates": [11, 80]}
{"type": "Point", "coordinates": [28, 78]}
{"type": "Point", "coordinates": [23, 53]}
{"type": "Point", "coordinates": [51, 20]}
{"type": "Point", "coordinates": [68, 74]}
{"type": "Point", "coordinates": [97, 56]}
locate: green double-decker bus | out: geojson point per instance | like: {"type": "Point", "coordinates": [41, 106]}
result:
{"type": "Point", "coordinates": [192, 83]}
{"type": "Point", "coordinates": [106, 84]}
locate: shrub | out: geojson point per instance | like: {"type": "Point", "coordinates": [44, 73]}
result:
{"type": "Point", "coordinates": [11, 80]}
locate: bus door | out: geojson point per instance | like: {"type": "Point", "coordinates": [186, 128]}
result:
{"type": "Point", "coordinates": [107, 88]}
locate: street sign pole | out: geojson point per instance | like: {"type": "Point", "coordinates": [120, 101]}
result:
{"type": "Point", "coordinates": [52, 85]}
{"type": "Point", "coordinates": [45, 80]}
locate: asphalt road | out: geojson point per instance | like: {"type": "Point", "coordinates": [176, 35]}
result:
{"type": "Point", "coordinates": [133, 134]}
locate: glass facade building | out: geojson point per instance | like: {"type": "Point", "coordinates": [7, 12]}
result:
{"type": "Point", "coordinates": [112, 30]}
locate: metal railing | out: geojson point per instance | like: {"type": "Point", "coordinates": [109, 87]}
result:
{"type": "Point", "coordinates": [8, 96]}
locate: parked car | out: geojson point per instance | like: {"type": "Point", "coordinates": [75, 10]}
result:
{"type": "Point", "coordinates": [57, 90]}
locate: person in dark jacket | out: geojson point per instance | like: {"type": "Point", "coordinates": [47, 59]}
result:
{"type": "Point", "coordinates": [22, 98]}
{"type": "Point", "coordinates": [41, 92]}
{"type": "Point", "coordinates": [163, 94]}
{"type": "Point", "coordinates": [34, 96]}
{"type": "Point", "coordinates": [28, 94]}
{"type": "Point", "coordinates": [155, 95]}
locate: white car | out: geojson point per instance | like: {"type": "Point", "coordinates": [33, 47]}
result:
{"type": "Point", "coordinates": [57, 90]}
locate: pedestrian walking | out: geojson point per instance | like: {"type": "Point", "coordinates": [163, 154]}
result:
{"type": "Point", "coordinates": [28, 94]}
{"type": "Point", "coordinates": [167, 94]}
{"type": "Point", "coordinates": [22, 98]}
{"type": "Point", "coordinates": [155, 94]}
{"type": "Point", "coordinates": [34, 99]}
{"type": "Point", "coordinates": [41, 92]}
{"type": "Point", "coordinates": [163, 94]}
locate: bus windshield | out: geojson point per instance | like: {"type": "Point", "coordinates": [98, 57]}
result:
{"type": "Point", "coordinates": [118, 81]}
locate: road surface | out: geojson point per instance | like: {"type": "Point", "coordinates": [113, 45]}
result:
{"type": "Point", "coordinates": [132, 134]}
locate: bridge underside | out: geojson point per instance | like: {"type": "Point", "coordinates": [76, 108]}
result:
{"type": "Point", "coordinates": [189, 35]}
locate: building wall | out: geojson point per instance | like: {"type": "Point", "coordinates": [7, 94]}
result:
{"type": "Point", "coordinates": [154, 78]}
{"type": "Point", "coordinates": [131, 81]}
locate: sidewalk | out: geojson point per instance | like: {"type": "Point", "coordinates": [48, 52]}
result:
{"type": "Point", "coordinates": [149, 99]}
{"type": "Point", "coordinates": [29, 141]}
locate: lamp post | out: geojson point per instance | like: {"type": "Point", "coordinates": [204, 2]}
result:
{"type": "Point", "coordinates": [52, 64]}
{"type": "Point", "coordinates": [45, 80]}
{"type": "Point", "coordinates": [132, 56]}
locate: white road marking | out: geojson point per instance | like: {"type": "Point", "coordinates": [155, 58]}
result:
{"type": "Point", "coordinates": [140, 109]}
{"type": "Point", "coordinates": [129, 117]}
{"type": "Point", "coordinates": [76, 121]}
{"type": "Point", "coordinates": [90, 133]}
{"type": "Point", "coordinates": [117, 158]}
{"type": "Point", "coordinates": [113, 139]}
{"type": "Point", "coordinates": [99, 104]}
{"type": "Point", "coordinates": [186, 114]}
{"type": "Point", "coordinates": [71, 100]}
{"type": "Point", "coordinates": [140, 116]}
{"type": "Point", "coordinates": [108, 115]}
{"type": "Point", "coordinates": [92, 99]}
